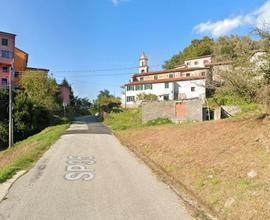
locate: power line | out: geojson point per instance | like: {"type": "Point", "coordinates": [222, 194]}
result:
{"type": "Point", "coordinates": [102, 70]}
{"type": "Point", "coordinates": [90, 71]}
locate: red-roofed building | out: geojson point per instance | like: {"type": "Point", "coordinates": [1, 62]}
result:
{"type": "Point", "coordinates": [184, 82]}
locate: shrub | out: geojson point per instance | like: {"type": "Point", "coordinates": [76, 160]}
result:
{"type": "Point", "coordinates": [159, 121]}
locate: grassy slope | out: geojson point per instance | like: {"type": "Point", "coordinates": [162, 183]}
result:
{"type": "Point", "coordinates": [25, 153]}
{"type": "Point", "coordinates": [212, 159]}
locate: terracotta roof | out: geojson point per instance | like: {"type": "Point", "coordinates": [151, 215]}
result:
{"type": "Point", "coordinates": [37, 69]}
{"type": "Point", "coordinates": [2, 32]}
{"type": "Point", "coordinates": [219, 63]}
{"type": "Point", "coordinates": [166, 80]}
{"type": "Point", "coordinates": [16, 48]}
{"type": "Point", "coordinates": [171, 71]}
{"type": "Point", "coordinates": [199, 57]}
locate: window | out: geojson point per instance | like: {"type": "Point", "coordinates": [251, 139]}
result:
{"type": "Point", "coordinates": [192, 89]}
{"type": "Point", "coordinates": [203, 73]}
{"type": "Point", "coordinates": [187, 74]}
{"type": "Point", "coordinates": [130, 87]}
{"type": "Point", "coordinates": [148, 86]}
{"type": "Point", "coordinates": [155, 77]}
{"type": "Point", "coordinates": [5, 54]}
{"type": "Point", "coordinates": [205, 61]}
{"type": "Point", "coordinates": [130, 98]}
{"type": "Point", "coordinates": [17, 74]}
{"type": "Point", "coordinates": [4, 83]}
{"type": "Point", "coordinates": [141, 78]}
{"type": "Point", "coordinates": [166, 97]}
{"type": "Point", "coordinates": [171, 75]}
{"type": "Point", "coordinates": [188, 63]}
{"type": "Point", "coordinates": [4, 42]}
{"type": "Point", "coordinates": [4, 69]}
{"type": "Point", "coordinates": [196, 63]}
{"type": "Point", "coordinates": [166, 85]}
{"type": "Point", "coordinates": [139, 87]}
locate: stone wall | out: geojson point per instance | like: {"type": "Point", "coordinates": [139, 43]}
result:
{"type": "Point", "coordinates": [190, 110]}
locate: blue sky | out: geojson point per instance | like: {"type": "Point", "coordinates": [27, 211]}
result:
{"type": "Point", "coordinates": [77, 39]}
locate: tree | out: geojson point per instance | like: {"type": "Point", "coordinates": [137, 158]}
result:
{"type": "Point", "coordinates": [198, 47]}
{"type": "Point", "coordinates": [23, 115]}
{"type": "Point", "coordinates": [234, 48]}
{"type": "Point", "coordinates": [3, 118]}
{"type": "Point", "coordinates": [42, 90]}
{"type": "Point", "coordinates": [28, 118]}
{"type": "Point", "coordinates": [105, 98]}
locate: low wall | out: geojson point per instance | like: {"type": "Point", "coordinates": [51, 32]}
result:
{"type": "Point", "coordinates": [190, 110]}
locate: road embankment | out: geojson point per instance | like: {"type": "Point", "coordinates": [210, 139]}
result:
{"type": "Point", "coordinates": [25, 153]}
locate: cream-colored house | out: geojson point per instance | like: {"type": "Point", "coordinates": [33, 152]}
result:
{"type": "Point", "coordinates": [184, 82]}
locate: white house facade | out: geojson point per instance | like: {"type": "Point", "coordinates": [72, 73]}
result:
{"type": "Point", "coordinates": [175, 84]}
{"type": "Point", "coordinates": [199, 61]}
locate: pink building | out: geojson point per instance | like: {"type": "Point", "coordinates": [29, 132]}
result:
{"type": "Point", "coordinates": [7, 51]}
{"type": "Point", "coordinates": [65, 94]}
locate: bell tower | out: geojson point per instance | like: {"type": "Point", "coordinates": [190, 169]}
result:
{"type": "Point", "coordinates": [143, 68]}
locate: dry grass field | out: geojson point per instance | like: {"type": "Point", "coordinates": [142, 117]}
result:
{"type": "Point", "coordinates": [225, 164]}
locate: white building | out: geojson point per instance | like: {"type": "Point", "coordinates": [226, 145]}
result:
{"type": "Point", "coordinates": [185, 82]}
{"type": "Point", "coordinates": [199, 61]}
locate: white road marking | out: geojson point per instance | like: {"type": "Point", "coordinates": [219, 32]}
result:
{"type": "Point", "coordinates": [77, 168]}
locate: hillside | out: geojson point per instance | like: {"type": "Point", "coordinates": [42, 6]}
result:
{"type": "Point", "coordinates": [225, 164]}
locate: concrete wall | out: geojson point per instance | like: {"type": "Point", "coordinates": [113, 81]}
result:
{"type": "Point", "coordinates": [153, 110]}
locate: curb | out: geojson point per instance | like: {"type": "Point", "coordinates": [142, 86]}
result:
{"type": "Point", "coordinates": [4, 187]}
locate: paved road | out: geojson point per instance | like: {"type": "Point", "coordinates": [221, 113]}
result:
{"type": "Point", "coordinates": [87, 174]}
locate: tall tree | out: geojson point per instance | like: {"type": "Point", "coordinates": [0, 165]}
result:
{"type": "Point", "coordinates": [42, 90]}
{"type": "Point", "coordinates": [234, 48]}
{"type": "Point", "coordinates": [3, 118]}
{"type": "Point", "coordinates": [197, 47]}
{"type": "Point", "coordinates": [104, 98]}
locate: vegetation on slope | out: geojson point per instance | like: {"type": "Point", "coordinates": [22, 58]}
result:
{"type": "Point", "coordinates": [25, 153]}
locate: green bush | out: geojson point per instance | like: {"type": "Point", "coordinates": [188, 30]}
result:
{"type": "Point", "coordinates": [246, 106]}
{"type": "Point", "coordinates": [159, 121]}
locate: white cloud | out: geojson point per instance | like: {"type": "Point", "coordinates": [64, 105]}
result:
{"type": "Point", "coordinates": [263, 15]}
{"type": "Point", "coordinates": [257, 18]}
{"type": "Point", "coordinates": [117, 2]}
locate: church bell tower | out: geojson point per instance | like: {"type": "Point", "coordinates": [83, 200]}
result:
{"type": "Point", "coordinates": [143, 64]}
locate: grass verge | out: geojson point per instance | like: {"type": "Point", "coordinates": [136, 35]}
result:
{"type": "Point", "coordinates": [131, 118]}
{"type": "Point", "coordinates": [25, 153]}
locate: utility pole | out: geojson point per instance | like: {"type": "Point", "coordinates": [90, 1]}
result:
{"type": "Point", "coordinates": [10, 141]}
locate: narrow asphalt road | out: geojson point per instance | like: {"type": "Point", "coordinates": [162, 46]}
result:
{"type": "Point", "coordinates": [87, 175]}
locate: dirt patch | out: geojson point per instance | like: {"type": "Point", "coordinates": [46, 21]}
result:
{"type": "Point", "coordinates": [8, 156]}
{"type": "Point", "coordinates": [212, 160]}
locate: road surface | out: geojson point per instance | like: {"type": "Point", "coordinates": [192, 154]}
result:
{"type": "Point", "coordinates": [87, 175]}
